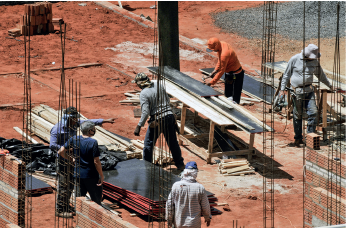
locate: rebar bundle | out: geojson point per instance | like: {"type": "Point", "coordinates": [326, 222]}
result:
{"type": "Point", "coordinates": [268, 56]}
{"type": "Point", "coordinates": [164, 185]}
{"type": "Point", "coordinates": [335, 146]}
{"type": "Point", "coordinates": [67, 169]}
{"type": "Point", "coordinates": [24, 197]}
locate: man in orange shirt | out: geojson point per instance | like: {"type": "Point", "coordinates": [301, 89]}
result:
{"type": "Point", "coordinates": [229, 64]}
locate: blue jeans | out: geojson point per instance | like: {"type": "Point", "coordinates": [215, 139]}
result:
{"type": "Point", "coordinates": [168, 130]}
{"type": "Point", "coordinates": [306, 100]}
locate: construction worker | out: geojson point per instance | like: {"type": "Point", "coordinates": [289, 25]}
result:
{"type": "Point", "coordinates": [187, 200]}
{"type": "Point", "coordinates": [302, 91]}
{"type": "Point", "coordinates": [162, 120]}
{"type": "Point", "coordinates": [59, 135]}
{"type": "Point", "coordinates": [85, 149]}
{"type": "Point", "coordinates": [229, 64]}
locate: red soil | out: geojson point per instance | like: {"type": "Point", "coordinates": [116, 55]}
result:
{"type": "Point", "coordinates": [95, 29]}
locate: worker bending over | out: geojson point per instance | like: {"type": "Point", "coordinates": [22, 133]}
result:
{"type": "Point", "coordinates": [162, 120]}
{"type": "Point", "coordinates": [229, 64]}
{"type": "Point", "coordinates": [59, 135]}
{"type": "Point", "coordinates": [86, 155]}
{"type": "Point", "coordinates": [187, 200]}
{"type": "Point", "coordinates": [302, 91]}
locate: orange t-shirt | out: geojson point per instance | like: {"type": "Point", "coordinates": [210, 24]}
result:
{"type": "Point", "coordinates": [228, 61]}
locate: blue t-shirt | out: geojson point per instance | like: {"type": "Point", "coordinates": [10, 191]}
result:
{"type": "Point", "coordinates": [88, 151]}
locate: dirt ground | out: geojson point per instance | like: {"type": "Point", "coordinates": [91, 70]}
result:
{"type": "Point", "coordinates": [98, 35]}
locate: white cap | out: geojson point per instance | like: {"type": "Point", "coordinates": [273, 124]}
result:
{"type": "Point", "coordinates": [311, 52]}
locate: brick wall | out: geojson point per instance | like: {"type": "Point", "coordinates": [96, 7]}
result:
{"type": "Point", "coordinates": [324, 190]}
{"type": "Point", "coordinates": [12, 188]}
{"type": "Point", "coordinates": [92, 215]}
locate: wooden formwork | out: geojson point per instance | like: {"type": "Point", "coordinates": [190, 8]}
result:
{"type": "Point", "coordinates": [203, 143]}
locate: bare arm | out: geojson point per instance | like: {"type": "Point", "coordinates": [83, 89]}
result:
{"type": "Point", "coordinates": [98, 166]}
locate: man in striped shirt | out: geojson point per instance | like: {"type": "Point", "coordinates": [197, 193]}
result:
{"type": "Point", "coordinates": [187, 201]}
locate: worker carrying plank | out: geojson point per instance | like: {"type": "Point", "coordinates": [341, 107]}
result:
{"type": "Point", "coordinates": [229, 64]}
{"type": "Point", "coordinates": [89, 173]}
{"type": "Point", "coordinates": [187, 201]}
{"type": "Point", "coordinates": [59, 135]}
{"type": "Point", "coordinates": [300, 69]}
{"type": "Point", "coordinates": [157, 105]}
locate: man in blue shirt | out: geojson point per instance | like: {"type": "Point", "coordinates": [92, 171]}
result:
{"type": "Point", "coordinates": [59, 135]}
{"type": "Point", "coordinates": [85, 153]}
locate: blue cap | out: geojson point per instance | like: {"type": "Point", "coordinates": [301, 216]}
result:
{"type": "Point", "coordinates": [191, 165]}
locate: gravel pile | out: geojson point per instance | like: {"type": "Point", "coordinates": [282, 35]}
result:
{"type": "Point", "coordinates": [248, 22]}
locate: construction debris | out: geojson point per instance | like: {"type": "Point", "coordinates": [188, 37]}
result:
{"type": "Point", "coordinates": [234, 167]}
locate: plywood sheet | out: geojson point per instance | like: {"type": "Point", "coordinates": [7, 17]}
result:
{"type": "Point", "coordinates": [240, 116]}
{"type": "Point", "coordinates": [135, 175]}
{"type": "Point", "coordinates": [251, 86]}
{"type": "Point", "coordinates": [186, 82]}
{"type": "Point", "coordinates": [197, 105]}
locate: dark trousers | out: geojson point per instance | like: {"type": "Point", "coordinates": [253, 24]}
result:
{"type": "Point", "coordinates": [90, 185]}
{"type": "Point", "coordinates": [233, 87]}
{"type": "Point", "coordinates": [66, 183]}
{"type": "Point", "coordinates": [303, 102]}
{"type": "Point", "coordinates": [168, 130]}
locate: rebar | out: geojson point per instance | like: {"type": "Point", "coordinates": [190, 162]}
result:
{"type": "Point", "coordinates": [25, 186]}
{"type": "Point", "coordinates": [268, 56]}
{"type": "Point", "coordinates": [67, 170]}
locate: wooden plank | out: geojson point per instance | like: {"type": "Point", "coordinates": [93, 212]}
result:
{"type": "Point", "coordinates": [324, 108]}
{"type": "Point", "coordinates": [56, 68]}
{"type": "Point", "coordinates": [232, 160]}
{"type": "Point", "coordinates": [227, 166]}
{"type": "Point", "coordinates": [195, 103]}
{"type": "Point", "coordinates": [182, 121]}
{"type": "Point", "coordinates": [24, 135]}
{"type": "Point", "coordinates": [237, 169]}
{"type": "Point", "coordinates": [197, 150]}
{"type": "Point", "coordinates": [211, 141]}
{"type": "Point", "coordinates": [245, 112]}
{"type": "Point", "coordinates": [216, 99]}
{"type": "Point", "coordinates": [240, 173]}
{"type": "Point", "coordinates": [231, 153]}
{"type": "Point", "coordinates": [218, 109]}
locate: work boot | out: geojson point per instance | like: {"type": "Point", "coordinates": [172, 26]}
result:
{"type": "Point", "coordinates": [298, 142]}
{"type": "Point", "coordinates": [64, 214]}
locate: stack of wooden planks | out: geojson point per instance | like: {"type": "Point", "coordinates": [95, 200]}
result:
{"type": "Point", "coordinates": [43, 118]}
{"type": "Point", "coordinates": [235, 167]}
{"type": "Point", "coordinates": [132, 97]}
{"type": "Point", "coordinates": [159, 156]}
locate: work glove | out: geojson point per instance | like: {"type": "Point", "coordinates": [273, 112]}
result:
{"type": "Point", "coordinates": [137, 130]}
